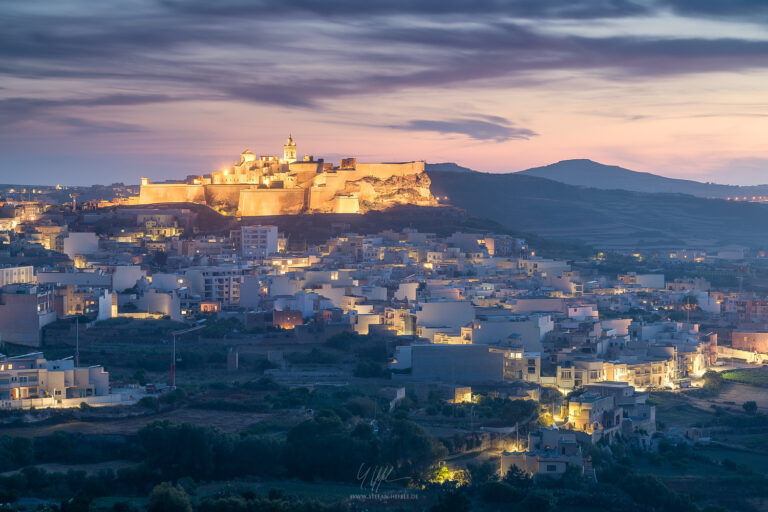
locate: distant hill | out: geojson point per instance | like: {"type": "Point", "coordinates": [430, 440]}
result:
{"type": "Point", "coordinates": [586, 173]}
{"type": "Point", "coordinates": [447, 167]}
{"type": "Point", "coordinates": [602, 218]}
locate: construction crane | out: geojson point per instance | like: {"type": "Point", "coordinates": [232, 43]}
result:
{"type": "Point", "coordinates": [173, 354]}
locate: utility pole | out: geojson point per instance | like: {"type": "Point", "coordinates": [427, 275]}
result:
{"type": "Point", "coordinates": [77, 341]}
{"type": "Point", "coordinates": [173, 352]}
{"type": "Point", "coordinates": [173, 363]}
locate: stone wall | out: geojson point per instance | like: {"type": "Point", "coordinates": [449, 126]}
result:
{"type": "Point", "coordinates": [272, 201]}
{"type": "Point", "coordinates": [378, 185]}
{"type": "Point", "coordinates": [387, 170]}
{"type": "Point", "coordinates": [224, 195]}
{"type": "Point", "coordinates": [171, 193]}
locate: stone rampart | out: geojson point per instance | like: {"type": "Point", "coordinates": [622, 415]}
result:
{"type": "Point", "coordinates": [226, 195]}
{"type": "Point", "coordinates": [271, 201]}
{"type": "Point", "coordinates": [171, 193]}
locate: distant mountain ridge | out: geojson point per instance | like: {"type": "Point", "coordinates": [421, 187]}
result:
{"type": "Point", "coordinates": [447, 167]}
{"type": "Point", "coordinates": [615, 218]}
{"type": "Point", "coordinates": [587, 173]}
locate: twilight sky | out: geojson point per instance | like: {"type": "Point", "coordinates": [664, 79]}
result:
{"type": "Point", "coordinates": [105, 91]}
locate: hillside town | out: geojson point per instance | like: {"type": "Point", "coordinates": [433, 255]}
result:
{"type": "Point", "coordinates": [463, 317]}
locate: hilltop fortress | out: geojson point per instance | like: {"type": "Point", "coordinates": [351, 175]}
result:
{"type": "Point", "coordinates": [268, 185]}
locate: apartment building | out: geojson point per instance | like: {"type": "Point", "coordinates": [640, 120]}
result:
{"type": "Point", "coordinates": [24, 310]}
{"type": "Point", "coordinates": [258, 241]}
{"type": "Point", "coordinates": [16, 275]}
{"type": "Point", "coordinates": [31, 376]}
{"type": "Point", "coordinates": [216, 283]}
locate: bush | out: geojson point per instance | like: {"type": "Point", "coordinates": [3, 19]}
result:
{"type": "Point", "coordinates": [167, 497]}
{"type": "Point", "coordinates": [342, 341]}
{"type": "Point", "coordinates": [539, 501]}
{"type": "Point", "coordinates": [713, 380]}
{"type": "Point", "coordinates": [361, 406]}
{"type": "Point", "coordinates": [149, 402]}
{"type": "Point", "coordinates": [500, 492]}
{"type": "Point", "coordinates": [369, 369]}
{"type": "Point", "coordinates": [173, 397]}
{"type": "Point", "coordinates": [750, 407]}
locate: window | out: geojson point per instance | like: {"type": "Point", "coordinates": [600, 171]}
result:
{"type": "Point", "coordinates": [565, 374]}
{"type": "Point", "coordinates": [551, 467]}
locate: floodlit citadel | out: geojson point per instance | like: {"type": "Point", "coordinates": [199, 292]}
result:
{"type": "Point", "coordinates": [269, 185]}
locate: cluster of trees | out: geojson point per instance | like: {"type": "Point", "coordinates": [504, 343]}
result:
{"type": "Point", "coordinates": [325, 446]}
{"type": "Point", "coordinates": [167, 497]}
{"type": "Point", "coordinates": [31, 481]}
{"type": "Point", "coordinates": [333, 445]}
{"type": "Point", "coordinates": [619, 488]}
{"type": "Point", "coordinates": [371, 352]}
{"type": "Point", "coordinates": [61, 447]}
{"type": "Point", "coordinates": [508, 412]}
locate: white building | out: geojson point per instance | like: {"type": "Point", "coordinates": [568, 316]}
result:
{"type": "Point", "coordinates": [31, 380]}
{"type": "Point", "coordinates": [81, 243]}
{"type": "Point", "coordinates": [216, 283]}
{"type": "Point", "coordinates": [258, 241]}
{"type": "Point", "coordinates": [15, 275]}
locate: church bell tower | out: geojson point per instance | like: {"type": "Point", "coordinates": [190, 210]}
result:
{"type": "Point", "coordinates": [289, 150]}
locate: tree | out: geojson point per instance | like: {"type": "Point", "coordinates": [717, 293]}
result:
{"type": "Point", "coordinates": [713, 380]}
{"type": "Point", "coordinates": [410, 448]}
{"type": "Point", "coordinates": [369, 369]}
{"type": "Point", "coordinates": [482, 473]}
{"type": "Point", "coordinates": [167, 497]}
{"type": "Point", "coordinates": [539, 501]}
{"type": "Point", "coordinates": [750, 407]}
{"type": "Point", "coordinates": [140, 376]}
{"type": "Point", "coordinates": [500, 492]}
{"type": "Point", "coordinates": [453, 501]}
{"type": "Point", "coordinates": [518, 478]}
{"type": "Point", "coordinates": [123, 506]}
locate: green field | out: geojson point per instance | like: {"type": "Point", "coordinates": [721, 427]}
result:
{"type": "Point", "coordinates": [751, 376]}
{"type": "Point", "coordinates": [673, 410]}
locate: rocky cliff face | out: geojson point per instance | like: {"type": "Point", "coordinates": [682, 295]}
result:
{"type": "Point", "coordinates": [378, 194]}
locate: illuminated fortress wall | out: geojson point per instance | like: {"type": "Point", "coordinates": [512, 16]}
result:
{"type": "Point", "coordinates": [267, 185]}
{"type": "Point", "coordinates": [277, 201]}
{"type": "Point", "coordinates": [170, 193]}
{"type": "Point", "coordinates": [225, 196]}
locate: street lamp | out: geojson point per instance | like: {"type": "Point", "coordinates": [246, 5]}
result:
{"type": "Point", "coordinates": [173, 354]}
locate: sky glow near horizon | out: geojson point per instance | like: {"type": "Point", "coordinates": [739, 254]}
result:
{"type": "Point", "coordinates": [112, 91]}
